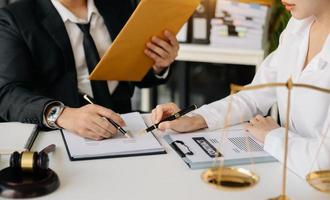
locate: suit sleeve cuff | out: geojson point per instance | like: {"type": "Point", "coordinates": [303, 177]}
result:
{"type": "Point", "coordinates": [163, 75]}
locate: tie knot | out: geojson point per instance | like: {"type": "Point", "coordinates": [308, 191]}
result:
{"type": "Point", "coordinates": [84, 28]}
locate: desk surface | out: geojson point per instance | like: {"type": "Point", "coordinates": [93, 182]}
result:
{"type": "Point", "coordinates": [161, 177]}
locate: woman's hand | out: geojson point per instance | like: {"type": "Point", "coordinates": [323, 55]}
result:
{"type": "Point", "coordinates": [260, 126]}
{"type": "Point", "coordinates": [182, 124]}
{"type": "Point", "coordinates": [89, 121]}
{"type": "Point", "coordinates": [163, 52]}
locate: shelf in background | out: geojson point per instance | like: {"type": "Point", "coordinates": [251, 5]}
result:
{"type": "Point", "coordinates": [213, 54]}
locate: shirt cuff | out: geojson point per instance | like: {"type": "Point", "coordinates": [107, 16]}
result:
{"type": "Point", "coordinates": [164, 74]}
{"type": "Point", "coordinates": [210, 116]}
{"type": "Point", "coordinates": [275, 141]}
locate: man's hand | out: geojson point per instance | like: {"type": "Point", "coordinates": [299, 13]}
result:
{"type": "Point", "coordinates": [88, 121]}
{"type": "Point", "coordinates": [163, 52]}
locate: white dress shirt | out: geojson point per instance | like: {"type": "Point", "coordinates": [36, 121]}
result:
{"type": "Point", "coordinates": [100, 35]}
{"type": "Point", "coordinates": [310, 112]}
{"type": "Point", "coordinates": [101, 38]}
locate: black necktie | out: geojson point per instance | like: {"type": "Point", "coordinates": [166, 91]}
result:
{"type": "Point", "coordinates": [100, 88]}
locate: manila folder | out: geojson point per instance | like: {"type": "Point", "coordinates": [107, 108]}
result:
{"type": "Point", "coordinates": [125, 59]}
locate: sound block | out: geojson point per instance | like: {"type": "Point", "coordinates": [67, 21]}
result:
{"type": "Point", "coordinates": [17, 184]}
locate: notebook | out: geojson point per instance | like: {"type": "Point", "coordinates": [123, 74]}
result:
{"type": "Point", "coordinates": [198, 150]}
{"type": "Point", "coordinates": [79, 148]}
{"type": "Point", "coordinates": [14, 136]}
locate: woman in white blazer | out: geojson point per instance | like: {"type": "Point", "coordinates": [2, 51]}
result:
{"type": "Point", "coordinates": [304, 55]}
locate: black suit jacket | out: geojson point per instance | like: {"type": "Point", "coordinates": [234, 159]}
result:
{"type": "Point", "coordinates": [37, 62]}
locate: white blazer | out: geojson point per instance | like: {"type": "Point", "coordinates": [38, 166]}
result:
{"type": "Point", "coordinates": [310, 111]}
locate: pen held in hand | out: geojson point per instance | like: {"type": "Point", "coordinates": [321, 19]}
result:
{"type": "Point", "coordinates": [91, 101]}
{"type": "Point", "coordinates": [172, 117]}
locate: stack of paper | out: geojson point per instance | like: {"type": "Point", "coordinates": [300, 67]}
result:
{"type": "Point", "coordinates": [239, 25]}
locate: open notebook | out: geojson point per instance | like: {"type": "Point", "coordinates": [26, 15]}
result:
{"type": "Point", "coordinates": [119, 146]}
{"type": "Point", "coordinates": [198, 150]}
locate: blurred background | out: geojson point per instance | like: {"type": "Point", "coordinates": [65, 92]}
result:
{"type": "Point", "coordinates": [224, 42]}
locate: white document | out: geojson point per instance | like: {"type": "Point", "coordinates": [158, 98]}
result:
{"type": "Point", "coordinates": [199, 149]}
{"type": "Point", "coordinates": [140, 144]}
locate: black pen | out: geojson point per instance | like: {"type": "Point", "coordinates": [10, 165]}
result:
{"type": "Point", "coordinates": [32, 138]}
{"type": "Point", "coordinates": [172, 117]}
{"type": "Point", "coordinates": [91, 101]}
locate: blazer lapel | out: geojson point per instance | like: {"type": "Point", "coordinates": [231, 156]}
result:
{"type": "Point", "coordinates": [54, 25]}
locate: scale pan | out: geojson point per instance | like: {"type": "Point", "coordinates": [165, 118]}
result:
{"type": "Point", "coordinates": [230, 178]}
{"type": "Point", "coordinates": [320, 180]}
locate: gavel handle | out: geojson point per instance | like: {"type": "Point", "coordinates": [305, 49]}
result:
{"type": "Point", "coordinates": [50, 148]}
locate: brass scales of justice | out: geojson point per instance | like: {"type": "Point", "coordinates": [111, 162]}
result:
{"type": "Point", "coordinates": [233, 178]}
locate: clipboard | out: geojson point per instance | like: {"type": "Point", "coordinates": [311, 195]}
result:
{"type": "Point", "coordinates": [125, 59]}
{"type": "Point", "coordinates": [199, 149]}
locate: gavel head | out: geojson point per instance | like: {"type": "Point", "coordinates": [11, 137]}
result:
{"type": "Point", "coordinates": [29, 161]}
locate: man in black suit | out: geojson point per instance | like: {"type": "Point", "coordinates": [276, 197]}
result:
{"type": "Point", "coordinates": [47, 50]}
